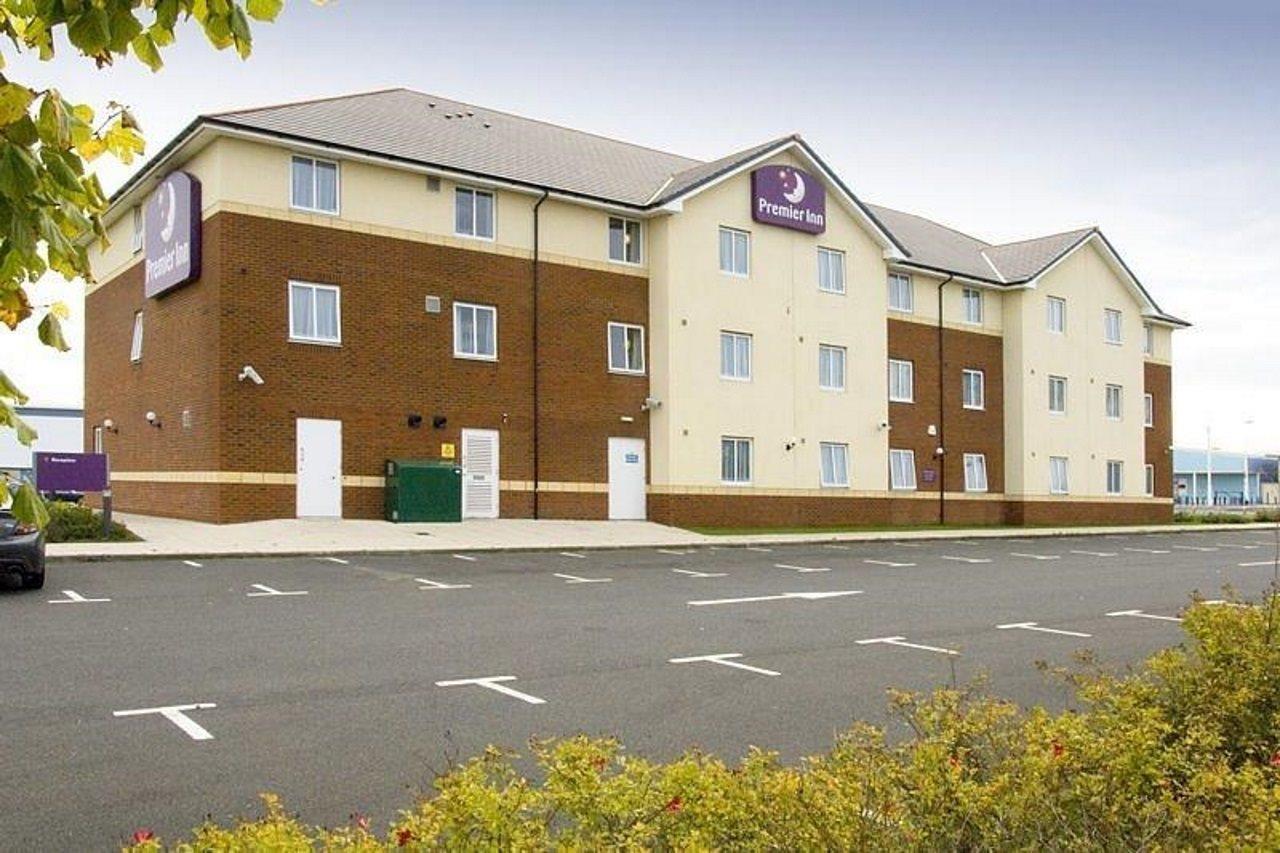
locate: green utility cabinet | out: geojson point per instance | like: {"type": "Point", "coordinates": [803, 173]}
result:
{"type": "Point", "coordinates": [423, 490]}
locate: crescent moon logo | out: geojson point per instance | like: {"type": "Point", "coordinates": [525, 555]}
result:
{"type": "Point", "coordinates": [796, 195]}
{"type": "Point", "coordinates": [170, 205]}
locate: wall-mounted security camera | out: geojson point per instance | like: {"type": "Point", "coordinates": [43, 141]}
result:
{"type": "Point", "coordinates": [247, 372]}
{"type": "Point", "coordinates": [153, 419]}
{"type": "Point", "coordinates": [932, 430]}
{"type": "Point", "coordinates": [650, 403]}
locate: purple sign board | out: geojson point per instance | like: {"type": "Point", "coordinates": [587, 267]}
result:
{"type": "Point", "coordinates": [791, 198]}
{"type": "Point", "coordinates": [71, 472]}
{"type": "Point", "coordinates": [171, 224]}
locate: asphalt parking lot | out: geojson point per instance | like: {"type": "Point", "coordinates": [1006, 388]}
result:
{"type": "Point", "coordinates": [151, 693]}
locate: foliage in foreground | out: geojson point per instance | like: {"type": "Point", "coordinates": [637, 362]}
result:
{"type": "Point", "coordinates": [70, 522]}
{"type": "Point", "coordinates": [1184, 753]}
{"type": "Point", "coordinates": [1193, 516]}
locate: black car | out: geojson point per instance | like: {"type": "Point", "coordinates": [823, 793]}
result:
{"type": "Point", "coordinates": [21, 550]}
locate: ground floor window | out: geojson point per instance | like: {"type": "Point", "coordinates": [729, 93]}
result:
{"type": "Point", "coordinates": [835, 464]}
{"type": "Point", "coordinates": [975, 472]}
{"type": "Point", "coordinates": [1058, 475]}
{"type": "Point", "coordinates": [735, 460]}
{"type": "Point", "coordinates": [475, 331]}
{"type": "Point", "coordinates": [902, 469]}
{"type": "Point", "coordinates": [1115, 477]}
{"type": "Point", "coordinates": [315, 313]}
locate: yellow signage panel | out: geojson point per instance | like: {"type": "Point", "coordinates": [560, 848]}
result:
{"type": "Point", "coordinates": [447, 450]}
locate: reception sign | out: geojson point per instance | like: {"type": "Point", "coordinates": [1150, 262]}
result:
{"type": "Point", "coordinates": [172, 234]}
{"type": "Point", "coordinates": [71, 472]}
{"type": "Point", "coordinates": [790, 198]}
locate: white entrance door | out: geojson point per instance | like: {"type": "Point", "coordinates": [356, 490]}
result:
{"type": "Point", "coordinates": [479, 473]}
{"type": "Point", "coordinates": [319, 468]}
{"type": "Point", "coordinates": [626, 478]}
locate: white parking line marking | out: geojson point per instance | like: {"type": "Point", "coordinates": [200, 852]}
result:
{"type": "Point", "coordinates": [966, 559]}
{"type": "Point", "coordinates": [1096, 553]}
{"type": "Point", "coordinates": [572, 554]}
{"type": "Point", "coordinates": [1141, 615]}
{"type": "Point", "coordinates": [1035, 556]}
{"type": "Point", "coordinates": [176, 714]}
{"type": "Point", "coordinates": [888, 563]}
{"type": "Point", "coordinates": [907, 544]}
{"type": "Point", "coordinates": [1148, 551]}
{"type": "Point", "coordinates": [73, 597]}
{"type": "Point", "coordinates": [1035, 626]}
{"type": "Point", "coordinates": [264, 590]}
{"type": "Point", "coordinates": [492, 682]}
{"type": "Point", "coordinates": [1194, 548]}
{"type": "Point", "coordinates": [1019, 541]}
{"type": "Point", "coordinates": [902, 641]}
{"type": "Point", "coordinates": [691, 573]}
{"type": "Point", "coordinates": [193, 564]}
{"type": "Point", "coordinates": [337, 560]}
{"type": "Point", "coordinates": [1233, 545]}
{"type": "Point", "coordinates": [802, 596]}
{"type": "Point", "coordinates": [576, 579]}
{"type": "Point", "coordinates": [466, 557]}
{"type": "Point", "coordinates": [801, 568]}
{"type": "Point", "coordinates": [725, 659]}
{"type": "Point", "coordinates": [759, 550]}
{"type": "Point", "coordinates": [430, 584]}
{"type": "Point", "coordinates": [837, 547]}
{"type": "Point", "coordinates": [1222, 602]}
{"type": "Point", "coordinates": [673, 552]}
{"type": "Point", "coordinates": [1257, 563]}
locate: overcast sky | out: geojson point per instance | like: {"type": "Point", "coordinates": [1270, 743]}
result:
{"type": "Point", "coordinates": [1157, 121]}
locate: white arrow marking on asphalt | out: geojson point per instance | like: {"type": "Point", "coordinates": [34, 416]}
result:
{"type": "Point", "coordinates": [691, 573]}
{"type": "Point", "coordinates": [1096, 553]}
{"type": "Point", "coordinates": [1035, 626]}
{"type": "Point", "coordinates": [1035, 556]}
{"type": "Point", "coordinates": [800, 568]}
{"type": "Point", "coordinates": [492, 683]}
{"type": "Point", "coordinates": [73, 597]}
{"type": "Point", "coordinates": [1195, 548]}
{"type": "Point", "coordinates": [967, 559]}
{"type": "Point", "coordinates": [263, 589]}
{"type": "Point", "coordinates": [1148, 551]}
{"type": "Point", "coordinates": [1258, 563]}
{"type": "Point", "coordinates": [430, 584]}
{"type": "Point", "coordinates": [176, 715]}
{"type": "Point", "coordinates": [803, 596]}
{"type": "Point", "coordinates": [337, 560]}
{"type": "Point", "coordinates": [888, 563]}
{"type": "Point", "coordinates": [1233, 545]}
{"type": "Point", "coordinates": [901, 641]}
{"type": "Point", "coordinates": [572, 554]}
{"type": "Point", "coordinates": [576, 579]}
{"type": "Point", "coordinates": [466, 557]}
{"type": "Point", "coordinates": [1142, 615]}
{"type": "Point", "coordinates": [193, 564]}
{"type": "Point", "coordinates": [725, 659]}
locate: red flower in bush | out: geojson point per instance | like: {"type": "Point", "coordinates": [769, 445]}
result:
{"type": "Point", "coordinates": [403, 837]}
{"type": "Point", "coordinates": [1058, 749]}
{"type": "Point", "coordinates": [599, 763]}
{"type": "Point", "coordinates": [954, 762]}
{"type": "Point", "coordinates": [675, 804]}
{"type": "Point", "coordinates": [142, 836]}
{"type": "Point", "coordinates": [1275, 760]}
{"type": "Point", "coordinates": [361, 821]}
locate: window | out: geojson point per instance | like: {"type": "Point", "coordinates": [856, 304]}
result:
{"type": "Point", "coordinates": [735, 356]}
{"type": "Point", "coordinates": [315, 315]}
{"type": "Point", "coordinates": [1058, 475]}
{"type": "Point", "coordinates": [624, 240]}
{"type": "Point", "coordinates": [902, 296]}
{"type": "Point", "coordinates": [1115, 477]}
{"type": "Point", "coordinates": [1112, 325]}
{"type": "Point", "coordinates": [1150, 471]}
{"type": "Point", "coordinates": [1057, 395]}
{"type": "Point", "coordinates": [1148, 411]}
{"type": "Point", "coordinates": [1057, 314]}
{"type": "Point", "coordinates": [975, 472]}
{"type": "Point", "coordinates": [975, 391]}
{"type": "Point", "coordinates": [971, 299]}
{"type": "Point", "coordinates": [314, 185]}
{"type": "Point", "coordinates": [137, 228]}
{"type": "Point", "coordinates": [135, 348]}
{"type": "Point", "coordinates": [830, 270]}
{"type": "Point", "coordinates": [901, 381]}
{"type": "Point", "coordinates": [735, 460]}
{"type": "Point", "coordinates": [835, 464]}
{"type": "Point", "coordinates": [831, 367]}
{"type": "Point", "coordinates": [626, 348]}
{"type": "Point", "coordinates": [1148, 339]}
{"type": "Point", "coordinates": [1115, 398]}
{"type": "Point", "coordinates": [735, 251]}
{"type": "Point", "coordinates": [473, 213]}
{"type": "Point", "coordinates": [902, 469]}
{"type": "Point", "coordinates": [475, 331]}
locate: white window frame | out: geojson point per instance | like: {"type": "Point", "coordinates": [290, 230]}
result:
{"type": "Point", "coordinates": [843, 353]}
{"type": "Point", "coordinates": [911, 380]}
{"type": "Point", "coordinates": [751, 355]}
{"type": "Point", "coordinates": [1064, 488]}
{"type": "Point", "coordinates": [1050, 302]}
{"type": "Point", "coordinates": [978, 461]}
{"type": "Point", "coordinates": [458, 191]}
{"type": "Point", "coordinates": [135, 343]}
{"type": "Point", "coordinates": [1117, 466]}
{"type": "Point", "coordinates": [831, 260]}
{"type": "Point", "coordinates": [969, 297]}
{"type": "Point", "coordinates": [981, 403]}
{"type": "Point", "coordinates": [1053, 380]}
{"type": "Point", "coordinates": [909, 290]}
{"type": "Point", "coordinates": [739, 442]}
{"type": "Point", "coordinates": [734, 234]}
{"type": "Point", "coordinates": [1149, 478]}
{"type": "Point", "coordinates": [638, 242]}
{"type": "Point", "coordinates": [910, 456]}
{"type": "Point", "coordinates": [457, 338]}
{"type": "Point", "coordinates": [1107, 314]}
{"type": "Point", "coordinates": [1148, 339]}
{"type": "Point", "coordinates": [1117, 391]}
{"type": "Point", "coordinates": [833, 447]}
{"type": "Point", "coordinates": [313, 287]}
{"type": "Point", "coordinates": [624, 328]}
{"type": "Point", "coordinates": [315, 195]}
{"type": "Point", "coordinates": [1149, 411]}
{"type": "Point", "coordinates": [138, 225]}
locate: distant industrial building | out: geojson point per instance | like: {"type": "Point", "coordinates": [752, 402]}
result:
{"type": "Point", "coordinates": [1233, 479]}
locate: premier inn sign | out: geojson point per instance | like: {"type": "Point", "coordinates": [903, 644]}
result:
{"type": "Point", "coordinates": [789, 197]}
{"type": "Point", "coordinates": [171, 225]}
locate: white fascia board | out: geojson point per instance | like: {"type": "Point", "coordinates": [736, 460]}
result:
{"type": "Point", "coordinates": [905, 265]}
{"type": "Point", "coordinates": [1113, 260]}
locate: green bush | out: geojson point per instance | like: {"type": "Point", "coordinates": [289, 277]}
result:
{"type": "Point", "coordinates": [1182, 754]}
{"type": "Point", "coordinates": [1220, 517]}
{"type": "Point", "coordinates": [70, 522]}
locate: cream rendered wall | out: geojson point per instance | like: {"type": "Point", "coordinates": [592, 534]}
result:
{"type": "Point", "coordinates": [925, 288]}
{"type": "Point", "coordinates": [1162, 352]}
{"type": "Point", "coordinates": [1032, 353]}
{"type": "Point", "coordinates": [780, 305]}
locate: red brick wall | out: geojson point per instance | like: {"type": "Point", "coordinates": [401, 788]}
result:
{"type": "Point", "coordinates": [1158, 382]}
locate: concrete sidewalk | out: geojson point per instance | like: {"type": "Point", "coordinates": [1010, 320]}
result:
{"type": "Point", "coordinates": [169, 537]}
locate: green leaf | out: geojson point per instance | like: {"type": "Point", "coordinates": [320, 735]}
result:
{"type": "Point", "coordinates": [50, 332]}
{"type": "Point", "coordinates": [124, 28]}
{"type": "Point", "coordinates": [29, 507]}
{"type": "Point", "coordinates": [264, 10]}
{"type": "Point", "coordinates": [144, 47]}
{"type": "Point", "coordinates": [9, 391]}
{"type": "Point", "coordinates": [90, 30]}
{"type": "Point", "coordinates": [15, 100]}
{"type": "Point", "coordinates": [19, 173]}
{"type": "Point", "coordinates": [9, 418]}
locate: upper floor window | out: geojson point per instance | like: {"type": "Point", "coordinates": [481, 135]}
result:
{"type": "Point", "coordinates": [971, 298]}
{"type": "Point", "coordinates": [1148, 410]}
{"type": "Point", "coordinates": [735, 251]}
{"type": "Point", "coordinates": [135, 346]}
{"type": "Point", "coordinates": [1112, 326]}
{"type": "Point", "coordinates": [1057, 395]}
{"type": "Point", "coordinates": [626, 348]}
{"type": "Point", "coordinates": [902, 469]}
{"type": "Point", "coordinates": [314, 185]}
{"type": "Point", "coordinates": [735, 356]}
{"type": "Point", "coordinates": [1148, 339]}
{"type": "Point", "coordinates": [834, 464]}
{"type": "Point", "coordinates": [473, 213]}
{"type": "Point", "coordinates": [901, 381]}
{"type": "Point", "coordinates": [975, 472]}
{"type": "Point", "coordinates": [902, 296]}
{"type": "Point", "coordinates": [974, 391]}
{"type": "Point", "coordinates": [1057, 308]}
{"type": "Point", "coordinates": [137, 228]}
{"type": "Point", "coordinates": [1115, 402]}
{"type": "Point", "coordinates": [831, 367]}
{"type": "Point", "coordinates": [735, 460]}
{"type": "Point", "coordinates": [1058, 475]}
{"type": "Point", "coordinates": [1115, 477]}
{"type": "Point", "coordinates": [475, 331]}
{"type": "Point", "coordinates": [624, 240]}
{"type": "Point", "coordinates": [830, 270]}
{"type": "Point", "coordinates": [315, 313]}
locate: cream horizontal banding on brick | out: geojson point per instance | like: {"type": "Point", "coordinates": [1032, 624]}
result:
{"type": "Point", "coordinates": [1089, 499]}
{"type": "Point", "coordinates": [832, 493]}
